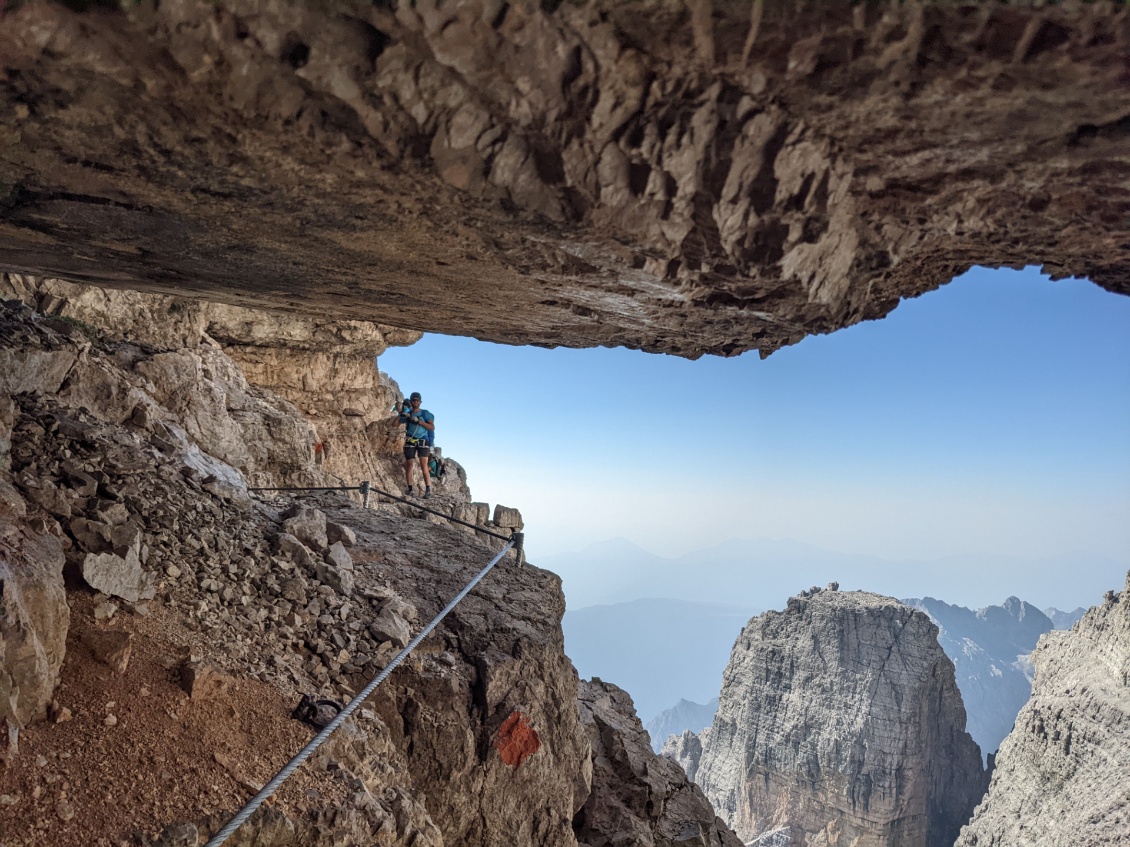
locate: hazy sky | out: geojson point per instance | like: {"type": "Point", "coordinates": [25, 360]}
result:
{"type": "Point", "coordinates": [991, 416]}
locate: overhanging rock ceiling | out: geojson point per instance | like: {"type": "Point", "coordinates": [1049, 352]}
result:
{"type": "Point", "coordinates": [678, 177]}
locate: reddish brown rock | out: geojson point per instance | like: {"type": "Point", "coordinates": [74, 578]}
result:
{"type": "Point", "coordinates": [110, 648]}
{"type": "Point", "coordinates": [202, 681]}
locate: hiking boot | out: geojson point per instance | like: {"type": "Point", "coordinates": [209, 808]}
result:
{"type": "Point", "coordinates": [410, 492]}
{"type": "Point", "coordinates": [427, 493]}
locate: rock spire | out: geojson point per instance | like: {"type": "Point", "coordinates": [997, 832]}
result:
{"type": "Point", "coordinates": [840, 722]}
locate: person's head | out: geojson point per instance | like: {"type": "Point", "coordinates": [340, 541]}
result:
{"type": "Point", "coordinates": [415, 398]}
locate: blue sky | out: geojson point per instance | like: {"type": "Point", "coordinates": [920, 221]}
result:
{"type": "Point", "coordinates": [990, 416]}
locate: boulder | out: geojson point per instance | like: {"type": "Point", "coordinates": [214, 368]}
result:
{"type": "Point", "coordinates": [339, 557]}
{"type": "Point", "coordinates": [203, 681]}
{"type": "Point", "coordinates": [110, 648]}
{"type": "Point", "coordinates": [399, 606]}
{"type": "Point", "coordinates": [291, 548]}
{"type": "Point", "coordinates": [476, 513]}
{"type": "Point", "coordinates": [508, 518]}
{"type": "Point", "coordinates": [389, 626]}
{"type": "Point", "coordinates": [110, 512]}
{"type": "Point", "coordinates": [118, 576]}
{"type": "Point", "coordinates": [340, 580]}
{"type": "Point", "coordinates": [307, 524]}
{"type": "Point", "coordinates": [336, 532]}
{"type": "Point", "coordinates": [50, 497]}
{"type": "Point", "coordinates": [91, 536]}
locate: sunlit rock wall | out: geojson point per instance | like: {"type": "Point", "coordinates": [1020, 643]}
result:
{"type": "Point", "coordinates": [839, 720]}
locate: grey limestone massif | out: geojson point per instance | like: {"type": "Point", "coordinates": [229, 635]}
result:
{"type": "Point", "coordinates": [1063, 775]}
{"type": "Point", "coordinates": [839, 723]}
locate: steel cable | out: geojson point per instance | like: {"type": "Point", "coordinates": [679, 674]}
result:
{"type": "Point", "coordinates": [291, 766]}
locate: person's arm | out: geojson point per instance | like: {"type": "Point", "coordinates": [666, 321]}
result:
{"type": "Point", "coordinates": [428, 424]}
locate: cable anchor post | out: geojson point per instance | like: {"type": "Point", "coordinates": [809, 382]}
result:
{"type": "Point", "coordinates": [519, 539]}
{"type": "Point", "coordinates": [365, 488]}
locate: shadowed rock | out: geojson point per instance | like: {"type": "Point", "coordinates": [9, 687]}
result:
{"type": "Point", "coordinates": [622, 172]}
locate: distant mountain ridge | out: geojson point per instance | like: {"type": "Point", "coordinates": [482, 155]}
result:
{"type": "Point", "coordinates": [1064, 620]}
{"type": "Point", "coordinates": [763, 573]}
{"type": "Point", "coordinates": [990, 649]}
{"type": "Point", "coordinates": [684, 715]}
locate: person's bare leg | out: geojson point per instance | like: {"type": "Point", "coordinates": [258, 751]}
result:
{"type": "Point", "coordinates": [427, 473]}
{"type": "Point", "coordinates": [408, 473]}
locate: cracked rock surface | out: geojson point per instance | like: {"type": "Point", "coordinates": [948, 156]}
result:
{"type": "Point", "coordinates": [839, 722]}
{"type": "Point", "coordinates": [1063, 775]}
{"type": "Point", "coordinates": [610, 173]}
{"type": "Point", "coordinates": [646, 801]}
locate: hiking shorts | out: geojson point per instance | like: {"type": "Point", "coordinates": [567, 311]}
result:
{"type": "Point", "coordinates": [415, 451]}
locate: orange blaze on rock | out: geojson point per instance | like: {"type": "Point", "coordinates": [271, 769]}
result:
{"type": "Point", "coordinates": [517, 740]}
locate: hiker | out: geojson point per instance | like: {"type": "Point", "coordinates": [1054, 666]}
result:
{"type": "Point", "coordinates": [418, 423]}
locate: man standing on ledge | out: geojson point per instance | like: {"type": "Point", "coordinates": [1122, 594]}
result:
{"type": "Point", "coordinates": [417, 424]}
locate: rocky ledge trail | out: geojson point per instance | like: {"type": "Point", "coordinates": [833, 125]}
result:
{"type": "Point", "coordinates": [159, 623]}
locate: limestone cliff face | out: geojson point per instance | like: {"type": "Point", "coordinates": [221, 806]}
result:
{"type": "Point", "coordinates": [840, 722]}
{"type": "Point", "coordinates": [325, 368]}
{"type": "Point", "coordinates": [1063, 774]}
{"type": "Point", "coordinates": [673, 176]}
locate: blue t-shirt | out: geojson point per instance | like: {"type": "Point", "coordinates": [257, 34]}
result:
{"type": "Point", "coordinates": [416, 431]}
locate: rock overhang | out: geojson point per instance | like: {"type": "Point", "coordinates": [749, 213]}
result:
{"type": "Point", "coordinates": [675, 177]}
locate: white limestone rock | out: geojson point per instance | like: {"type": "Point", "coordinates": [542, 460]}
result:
{"type": "Point", "coordinates": [1063, 774]}
{"type": "Point", "coordinates": [118, 576]}
{"type": "Point", "coordinates": [840, 718]}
